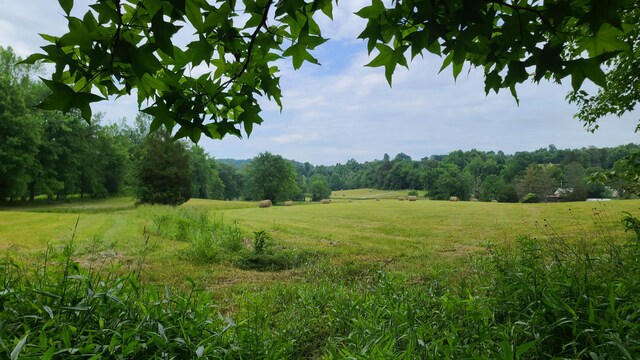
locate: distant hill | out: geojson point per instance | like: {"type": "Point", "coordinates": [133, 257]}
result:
{"type": "Point", "coordinates": [234, 162]}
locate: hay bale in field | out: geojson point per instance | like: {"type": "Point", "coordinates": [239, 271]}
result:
{"type": "Point", "coordinates": [413, 198]}
{"type": "Point", "coordinates": [401, 198]}
{"type": "Point", "coordinates": [288, 203]}
{"type": "Point", "coordinates": [453, 198]}
{"type": "Point", "coordinates": [326, 201]}
{"type": "Point", "coordinates": [494, 201]}
{"type": "Point", "coordinates": [265, 203]}
{"type": "Point", "coordinates": [474, 199]}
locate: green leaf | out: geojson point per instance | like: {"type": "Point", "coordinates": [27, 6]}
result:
{"type": "Point", "coordinates": [199, 51]}
{"type": "Point", "coordinates": [586, 68]}
{"type": "Point", "coordinates": [457, 69]}
{"type": "Point", "coordinates": [250, 116]}
{"type": "Point", "coordinates": [64, 98]}
{"type": "Point", "coordinates": [606, 40]}
{"type": "Point", "coordinates": [446, 62]}
{"type": "Point", "coordinates": [492, 81]}
{"type": "Point", "coordinates": [16, 351]}
{"type": "Point", "coordinates": [299, 54]}
{"type": "Point", "coordinates": [154, 83]}
{"type": "Point", "coordinates": [521, 349]}
{"type": "Point", "coordinates": [372, 33]}
{"type": "Point", "coordinates": [386, 58]}
{"type": "Point", "coordinates": [419, 41]}
{"type": "Point", "coordinates": [161, 116]}
{"type": "Point", "coordinates": [326, 6]}
{"type": "Point", "coordinates": [374, 10]}
{"type": "Point", "coordinates": [33, 58]}
{"type": "Point", "coordinates": [593, 71]}
{"type": "Point", "coordinates": [577, 78]}
{"type": "Point", "coordinates": [188, 131]}
{"type": "Point", "coordinates": [163, 32]}
{"type": "Point", "coordinates": [517, 73]}
{"type": "Point", "coordinates": [194, 14]}
{"type": "Point", "coordinates": [66, 5]}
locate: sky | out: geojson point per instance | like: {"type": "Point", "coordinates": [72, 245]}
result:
{"type": "Point", "coordinates": [342, 110]}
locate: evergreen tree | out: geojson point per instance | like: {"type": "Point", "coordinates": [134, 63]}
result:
{"type": "Point", "coordinates": [163, 174]}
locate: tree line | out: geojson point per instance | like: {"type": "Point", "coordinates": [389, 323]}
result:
{"type": "Point", "coordinates": [486, 176]}
{"type": "Point", "coordinates": [54, 155]}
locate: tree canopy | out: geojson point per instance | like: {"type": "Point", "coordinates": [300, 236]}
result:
{"type": "Point", "coordinates": [163, 174]}
{"type": "Point", "coordinates": [271, 177]}
{"type": "Point", "coordinates": [212, 84]}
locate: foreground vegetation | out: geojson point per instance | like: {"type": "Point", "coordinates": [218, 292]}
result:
{"type": "Point", "coordinates": [367, 279]}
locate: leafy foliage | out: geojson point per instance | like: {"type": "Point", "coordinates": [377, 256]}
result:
{"type": "Point", "coordinates": [119, 46]}
{"type": "Point", "coordinates": [205, 179]}
{"type": "Point", "coordinates": [48, 153]}
{"type": "Point", "coordinates": [163, 175]}
{"type": "Point", "coordinates": [621, 93]}
{"type": "Point", "coordinates": [271, 177]}
{"type": "Point", "coordinates": [318, 188]}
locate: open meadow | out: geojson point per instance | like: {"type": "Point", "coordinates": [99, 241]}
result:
{"type": "Point", "coordinates": [401, 236]}
{"type": "Point", "coordinates": [322, 280]}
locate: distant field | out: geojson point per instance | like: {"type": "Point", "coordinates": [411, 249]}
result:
{"type": "Point", "coordinates": [369, 194]}
{"type": "Point", "coordinates": [411, 237]}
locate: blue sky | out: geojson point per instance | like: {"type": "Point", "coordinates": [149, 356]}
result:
{"type": "Point", "coordinates": [342, 110]}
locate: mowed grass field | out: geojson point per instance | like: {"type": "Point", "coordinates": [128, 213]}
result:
{"type": "Point", "coordinates": [399, 236]}
{"type": "Point", "coordinates": [368, 194]}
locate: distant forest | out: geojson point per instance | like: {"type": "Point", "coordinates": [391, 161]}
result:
{"type": "Point", "coordinates": [51, 155]}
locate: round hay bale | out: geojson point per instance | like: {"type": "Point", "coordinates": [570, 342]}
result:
{"type": "Point", "coordinates": [326, 201]}
{"type": "Point", "coordinates": [494, 201]}
{"type": "Point", "coordinates": [474, 200]}
{"type": "Point", "coordinates": [413, 198]}
{"type": "Point", "coordinates": [453, 198]}
{"type": "Point", "coordinates": [265, 203]}
{"type": "Point", "coordinates": [288, 203]}
{"type": "Point", "coordinates": [401, 198]}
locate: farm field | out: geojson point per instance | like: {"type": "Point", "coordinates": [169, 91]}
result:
{"type": "Point", "coordinates": [401, 236]}
{"type": "Point", "coordinates": [362, 280]}
{"type": "Point", "coordinates": [367, 194]}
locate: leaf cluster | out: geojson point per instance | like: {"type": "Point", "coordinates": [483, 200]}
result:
{"type": "Point", "coordinates": [512, 41]}
{"type": "Point", "coordinates": [210, 85]}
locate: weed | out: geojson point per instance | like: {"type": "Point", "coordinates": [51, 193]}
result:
{"type": "Point", "coordinates": [261, 241]}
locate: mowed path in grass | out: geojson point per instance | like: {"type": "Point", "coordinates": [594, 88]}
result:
{"type": "Point", "coordinates": [400, 235]}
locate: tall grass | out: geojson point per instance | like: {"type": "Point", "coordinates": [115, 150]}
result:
{"type": "Point", "coordinates": [212, 240]}
{"type": "Point", "coordinates": [538, 298]}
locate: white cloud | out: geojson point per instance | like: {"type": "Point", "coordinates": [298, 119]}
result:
{"type": "Point", "coordinates": [346, 26]}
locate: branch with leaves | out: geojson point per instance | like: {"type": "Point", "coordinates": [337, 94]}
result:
{"type": "Point", "coordinates": [211, 85]}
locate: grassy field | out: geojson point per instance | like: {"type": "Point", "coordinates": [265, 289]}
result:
{"type": "Point", "coordinates": [401, 236]}
{"type": "Point", "coordinates": [368, 194]}
{"type": "Point", "coordinates": [359, 280]}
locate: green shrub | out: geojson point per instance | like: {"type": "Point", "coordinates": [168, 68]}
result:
{"type": "Point", "coordinates": [222, 242]}
{"type": "Point", "coordinates": [261, 240]}
{"type": "Point", "coordinates": [530, 198]}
